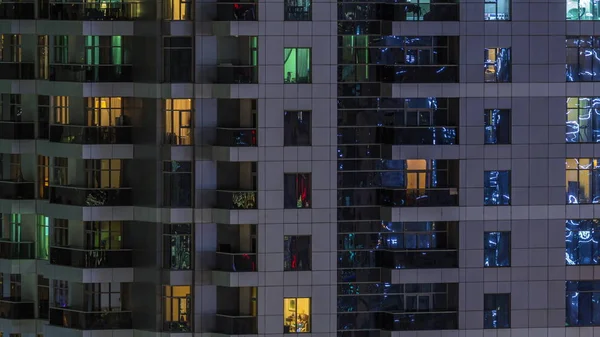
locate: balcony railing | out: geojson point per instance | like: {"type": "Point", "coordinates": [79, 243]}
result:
{"type": "Point", "coordinates": [237, 74]}
{"type": "Point", "coordinates": [237, 11]}
{"type": "Point", "coordinates": [11, 308]}
{"type": "Point", "coordinates": [91, 258]}
{"type": "Point", "coordinates": [92, 197]}
{"type": "Point", "coordinates": [43, 309]}
{"type": "Point", "coordinates": [236, 137]}
{"type": "Point", "coordinates": [43, 130]}
{"type": "Point", "coordinates": [447, 73]}
{"type": "Point", "coordinates": [15, 190]}
{"type": "Point", "coordinates": [17, 71]}
{"type": "Point", "coordinates": [82, 320]}
{"type": "Point", "coordinates": [17, 11]}
{"type": "Point", "coordinates": [236, 325]}
{"type": "Point", "coordinates": [424, 135]}
{"type": "Point", "coordinates": [91, 73]}
{"type": "Point", "coordinates": [17, 250]}
{"type": "Point", "coordinates": [421, 258]}
{"type": "Point", "coordinates": [446, 320]}
{"type": "Point", "coordinates": [236, 199]}
{"type": "Point", "coordinates": [419, 197]}
{"type": "Point", "coordinates": [236, 262]}
{"type": "Point", "coordinates": [110, 11]}
{"type": "Point", "coordinates": [17, 130]}
{"type": "Point", "coordinates": [78, 134]}
{"type": "Point", "coordinates": [420, 12]}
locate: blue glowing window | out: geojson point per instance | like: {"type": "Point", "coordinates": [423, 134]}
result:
{"type": "Point", "coordinates": [497, 10]}
{"type": "Point", "coordinates": [583, 120]}
{"type": "Point", "coordinates": [496, 311]}
{"type": "Point", "coordinates": [497, 65]}
{"type": "Point", "coordinates": [582, 303]}
{"type": "Point", "coordinates": [497, 126]}
{"type": "Point", "coordinates": [496, 249]}
{"type": "Point", "coordinates": [496, 188]}
{"type": "Point", "coordinates": [583, 59]}
{"type": "Point", "coordinates": [581, 242]}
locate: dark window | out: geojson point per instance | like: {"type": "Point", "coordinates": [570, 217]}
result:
{"type": "Point", "coordinates": [496, 249]}
{"type": "Point", "coordinates": [103, 296]}
{"type": "Point", "coordinates": [297, 128]}
{"type": "Point", "coordinates": [60, 232]}
{"type": "Point", "coordinates": [496, 186]}
{"type": "Point", "coordinates": [297, 253]}
{"type": "Point", "coordinates": [297, 190]}
{"type": "Point", "coordinates": [177, 246]}
{"type": "Point", "coordinates": [178, 65]}
{"type": "Point", "coordinates": [497, 65]}
{"type": "Point", "coordinates": [298, 10]}
{"type": "Point", "coordinates": [582, 298]}
{"type": "Point", "coordinates": [497, 126]}
{"type": "Point", "coordinates": [43, 296]}
{"type": "Point", "coordinates": [177, 184]}
{"type": "Point", "coordinates": [582, 239]}
{"type": "Point", "coordinates": [496, 311]}
{"type": "Point", "coordinates": [60, 290]}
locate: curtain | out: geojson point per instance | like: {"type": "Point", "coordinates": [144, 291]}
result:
{"type": "Point", "coordinates": [303, 64]}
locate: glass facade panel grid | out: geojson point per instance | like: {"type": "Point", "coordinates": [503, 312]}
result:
{"type": "Point", "coordinates": [581, 242]}
{"type": "Point", "coordinates": [583, 120]}
{"type": "Point", "coordinates": [582, 63]}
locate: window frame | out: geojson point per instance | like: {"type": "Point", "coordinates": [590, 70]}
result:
{"type": "Point", "coordinates": [175, 233]}
{"type": "Point", "coordinates": [304, 15]}
{"type": "Point", "coordinates": [489, 190]}
{"type": "Point", "coordinates": [173, 60]}
{"type": "Point", "coordinates": [288, 80]}
{"type": "Point", "coordinates": [60, 290]}
{"type": "Point", "coordinates": [60, 232]}
{"type": "Point", "coordinates": [176, 324]}
{"type": "Point", "coordinates": [98, 170]}
{"type": "Point", "coordinates": [171, 135]}
{"type": "Point", "coordinates": [169, 181]}
{"type": "Point", "coordinates": [492, 72]}
{"type": "Point", "coordinates": [307, 202]}
{"type": "Point", "coordinates": [295, 311]}
{"type": "Point", "coordinates": [187, 14]}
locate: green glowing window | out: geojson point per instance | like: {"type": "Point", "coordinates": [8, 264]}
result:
{"type": "Point", "coordinates": [43, 234]}
{"type": "Point", "coordinates": [297, 65]}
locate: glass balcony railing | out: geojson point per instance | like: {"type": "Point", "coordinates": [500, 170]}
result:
{"type": "Point", "coordinates": [78, 134]}
{"type": "Point", "coordinates": [424, 135]}
{"type": "Point", "coordinates": [43, 309]}
{"type": "Point", "coordinates": [91, 73]}
{"type": "Point", "coordinates": [91, 258]}
{"type": "Point", "coordinates": [110, 11]}
{"type": "Point", "coordinates": [17, 71]}
{"type": "Point", "coordinates": [419, 258]}
{"type": "Point", "coordinates": [419, 197]}
{"type": "Point", "coordinates": [17, 250]}
{"type": "Point", "coordinates": [92, 197]}
{"type": "Point", "coordinates": [237, 11]}
{"type": "Point", "coordinates": [444, 320]}
{"type": "Point", "coordinates": [236, 262]}
{"type": "Point", "coordinates": [236, 199]}
{"type": "Point", "coordinates": [236, 137]}
{"type": "Point", "coordinates": [237, 74]}
{"type": "Point", "coordinates": [84, 320]}
{"type": "Point", "coordinates": [12, 308]}
{"type": "Point", "coordinates": [236, 325]}
{"type": "Point", "coordinates": [16, 10]}
{"type": "Point", "coordinates": [43, 130]}
{"type": "Point", "coordinates": [17, 190]}
{"type": "Point", "coordinates": [17, 130]}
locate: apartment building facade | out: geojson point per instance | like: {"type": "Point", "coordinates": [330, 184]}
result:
{"type": "Point", "coordinates": [357, 169]}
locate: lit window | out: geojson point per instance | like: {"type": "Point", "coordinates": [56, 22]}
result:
{"type": "Point", "coordinates": [297, 65]}
{"type": "Point", "coordinates": [297, 252]}
{"type": "Point", "coordinates": [497, 126]}
{"type": "Point", "coordinates": [583, 10]}
{"type": "Point", "coordinates": [105, 111]}
{"type": "Point", "coordinates": [297, 190]}
{"type": "Point", "coordinates": [177, 309]}
{"type": "Point", "coordinates": [297, 128]}
{"type": "Point", "coordinates": [177, 246]}
{"type": "Point", "coordinates": [581, 242]}
{"type": "Point", "coordinates": [298, 10]}
{"type": "Point", "coordinates": [582, 63]}
{"type": "Point", "coordinates": [178, 122]}
{"type": "Point", "coordinates": [497, 65]}
{"type": "Point", "coordinates": [177, 10]}
{"type": "Point", "coordinates": [582, 303]}
{"type": "Point", "coordinates": [582, 181]}
{"type": "Point", "coordinates": [496, 188]}
{"type": "Point", "coordinates": [43, 237]}
{"type": "Point", "coordinates": [496, 311]}
{"type": "Point", "coordinates": [296, 315]}
{"type": "Point", "coordinates": [497, 10]}
{"type": "Point", "coordinates": [496, 249]}
{"type": "Point", "coordinates": [583, 120]}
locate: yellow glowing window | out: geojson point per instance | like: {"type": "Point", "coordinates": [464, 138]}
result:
{"type": "Point", "coordinates": [296, 314]}
{"type": "Point", "coordinates": [177, 305]}
{"type": "Point", "coordinates": [178, 122]}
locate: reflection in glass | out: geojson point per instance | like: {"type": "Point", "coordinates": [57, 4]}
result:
{"type": "Point", "coordinates": [583, 120]}
{"type": "Point", "coordinates": [497, 65]}
{"type": "Point", "coordinates": [297, 190]}
{"type": "Point", "coordinates": [496, 249]}
{"type": "Point", "coordinates": [177, 246]}
{"type": "Point", "coordinates": [583, 62]}
{"type": "Point", "coordinates": [296, 252]}
{"type": "Point", "coordinates": [582, 303]}
{"type": "Point", "coordinates": [496, 311]}
{"type": "Point", "coordinates": [298, 10]}
{"type": "Point", "coordinates": [581, 242]}
{"type": "Point", "coordinates": [497, 10]}
{"type": "Point", "coordinates": [496, 186]}
{"type": "Point", "coordinates": [497, 126]}
{"type": "Point", "coordinates": [582, 181]}
{"type": "Point", "coordinates": [583, 10]}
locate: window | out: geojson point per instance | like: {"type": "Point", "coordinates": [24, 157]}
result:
{"type": "Point", "coordinates": [177, 246]}
{"type": "Point", "coordinates": [497, 126]}
{"type": "Point", "coordinates": [61, 171]}
{"type": "Point", "coordinates": [497, 10]}
{"type": "Point", "coordinates": [582, 65]}
{"type": "Point", "coordinates": [296, 315]}
{"type": "Point", "coordinates": [177, 309]}
{"type": "Point", "coordinates": [11, 231]}
{"type": "Point", "coordinates": [582, 181]}
{"type": "Point", "coordinates": [60, 233]}
{"type": "Point", "coordinates": [582, 303]}
{"type": "Point", "coordinates": [10, 48]}
{"type": "Point", "coordinates": [496, 188]}
{"type": "Point", "coordinates": [297, 189]}
{"type": "Point", "coordinates": [103, 235]}
{"type": "Point", "coordinates": [60, 291]}
{"type": "Point", "coordinates": [297, 254]}
{"type": "Point", "coordinates": [297, 65]}
{"type": "Point", "coordinates": [100, 297]}
{"type": "Point", "coordinates": [177, 55]}
{"type": "Point", "coordinates": [43, 287]}
{"type": "Point", "coordinates": [61, 109]}
{"type": "Point", "coordinates": [583, 120]}
{"type": "Point", "coordinates": [43, 57]}
{"type": "Point", "coordinates": [582, 10]}
{"type": "Point", "coordinates": [582, 239]}
{"type": "Point", "coordinates": [43, 176]}
{"type": "Point", "coordinates": [14, 167]}
{"type": "Point", "coordinates": [43, 116]}
{"type": "Point", "coordinates": [61, 49]}
{"type": "Point", "coordinates": [15, 287]}
{"type": "Point", "coordinates": [104, 111]}
{"type": "Point", "coordinates": [178, 10]}
{"type": "Point", "coordinates": [298, 10]}
{"type": "Point", "coordinates": [297, 128]}
{"type": "Point", "coordinates": [177, 184]}
{"type": "Point", "coordinates": [496, 311]}
{"type": "Point", "coordinates": [15, 109]}
{"type": "Point", "coordinates": [497, 65]}
{"type": "Point", "coordinates": [496, 249]}
{"type": "Point", "coordinates": [43, 237]}
{"type": "Point", "coordinates": [104, 173]}
{"type": "Point", "coordinates": [178, 121]}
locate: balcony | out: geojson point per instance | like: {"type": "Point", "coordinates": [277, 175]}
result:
{"type": "Point", "coordinates": [424, 135]}
{"type": "Point", "coordinates": [17, 250]}
{"type": "Point", "coordinates": [236, 262]}
{"type": "Point", "coordinates": [91, 73]}
{"type": "Point", "coordinates": [91, 258]}
{"type": "Point", "coordinates": [237, 74]}
{"type": "Point", "coordinates": [82, 320]}
{"type": "Point", "coordinates": [17, 10]}
{"type": "Point", "coordinates": [112, 11]}
{"type": "Point", "coordinates": [85, 135]}
{"type": "Point", "coordinates": [15, 190]}
{"type": "Point", "coordinates": [420, 12]}
{"type": "Point", "coordinates": [236, 199]}
{"type": "Point", "coordinates": [17, 130]}
{"type": "Point", "coordinates": [419, 321]}
{"type": "Point", "coordinates": [17, 71]}
{"type": "Point", "coordinates": [419, 259]}
{"type": "Point", "coordinates": [418, 197]}
{"type": "Point", "coordinates": [236, 325]}
{"type": "Point", "coordinates": [237, 11]}
{"type": "Point", "coordinates": [12, 308]}
{"type": "Point", "coordinates": [236, 137]}
{"type": "Point", "coordinates": [90, 197]}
